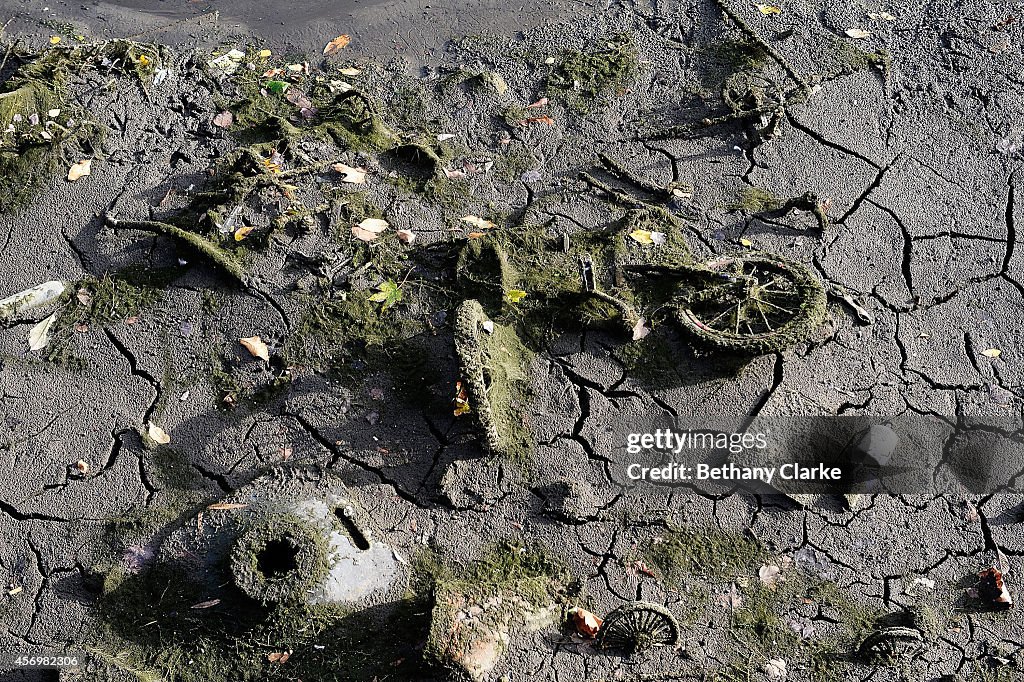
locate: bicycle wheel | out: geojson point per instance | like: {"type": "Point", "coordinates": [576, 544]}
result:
{"type": "Point", "coordinates": [638, 626]}
{"type": "Point", "coordinates": [760, 304]}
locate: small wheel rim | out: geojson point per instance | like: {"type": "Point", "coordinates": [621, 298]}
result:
{"type": "Point", "coordinates": [755, 299]}
{"type": "Point", "coordinates": [639, 626]}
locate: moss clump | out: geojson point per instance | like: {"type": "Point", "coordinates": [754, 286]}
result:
{"type": "Point", "coordinates": [100, 302]}
{"type": "Point", "coordinates": [580, 78]}
{"type": "Point", "coordinates": [738, 55]}
{"type": "Point", "coordinates": [478, 605]}
{"type": "Point", "coordinates": [337, 331]}
{"type": "Point", "coordinates": [762, 623]}
{"type": "Point", "coordinates": [708, 552]}
{"type": "Point", "coordinates": [40, 130]}
{"type": "Point", "coordinates": [756, 200]}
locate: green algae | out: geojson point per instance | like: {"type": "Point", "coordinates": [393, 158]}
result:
{"type": "Point", "coordinates": [582, 78]}
{"type": "Point", "coordinates": [40, 129]}
{"type": "Point", "coordinates": [756, 200]}
{"type": "Point", "coordinates": [709, 552]}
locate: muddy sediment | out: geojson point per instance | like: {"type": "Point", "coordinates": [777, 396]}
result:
{"type": "Point", "coordinates": [437, 274]}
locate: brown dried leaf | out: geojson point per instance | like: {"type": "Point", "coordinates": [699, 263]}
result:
{"type": "Point", "coordinates": [224, 119]}
{"type": "Point", "coordinates": [226, 506]}
{"type": "Point", "coordinates": [586, 623]}
{"type": "Point", "coordinates": [337, 44]}
{"type": "Point", "coordinates": [279, 657]}
{"type": "Point", "coordinates": [541, 119]}
{"type": "Point", "coordinates": [206, 604]}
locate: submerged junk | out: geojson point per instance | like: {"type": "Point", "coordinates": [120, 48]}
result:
{"type": "Point", "coordinates": [292, 536]}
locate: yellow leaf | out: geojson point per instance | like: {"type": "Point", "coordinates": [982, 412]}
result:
{"type": "Point", "coordinates": [461, 400]}
{"type": "Point", "coordinates": [336, 44]}
{"type": "Point", "coordinates": [478, 222]}
{"type": "Point", "coordinates": [157, 434]}
{"type": "Point", "coordinates": [144, 60]}
{"type": "Point", "coordinates": [80, 170]}
{"type": "Point", "coordinates": [256, 347]}
{"type": "Point", "coordinates": [746, 242]}
{"type": "Point", "coordinates": [768, 9]}
{"type": "Point", "coordinates": [243, 232]}
{"type": "Point", "coordinates": [515, 295]}
{"type": "Point", "coordinates": [54, 40]}
{"type": "Point", "coordinates": [992, 353]}
{"type": "Point", "coordinates": [642, 236]}
{"type": "Point", "coordinates": [265, 54]}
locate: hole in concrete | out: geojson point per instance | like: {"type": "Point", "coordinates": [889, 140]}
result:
{"type": "Point", "coordinates": [277, 558]}
{"type": "Point", "coordinates": [356, 535]}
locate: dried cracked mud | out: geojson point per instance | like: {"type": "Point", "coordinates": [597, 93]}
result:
{"type": "Point", "coordinates": [911, 140]}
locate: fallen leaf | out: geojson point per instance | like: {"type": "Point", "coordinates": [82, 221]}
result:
{"type": "Point", "coordinates": [350, 71]}
{"type": "Point", "coordinates": [641, 236]}
{"type": "Point", "coordinates": [406, 236]}
{"type": "Point", "coordinates": [256, 347]}
{"type": "Point", "coordinates": [82, 467]}
{"type": "Point", "coordinates": [775, 669]}
{"type": "Point", "coordinates": [746, 242]}
{"type": "Point", "coordinates": [243, 232]}
{"type": "Point", "coordinates": [80, 170]}
{"type": "Point", "coordinates": [541, 119]}
{"type": "Point", "coordinates": [353, 176]}
{"type": "Point", "coordinates": [478, 222]}
{"type": "Point", "coordinates": [640, 329]}
{"type": "Point", "coordinates": [39, 335]}
{"type": "Point", "coordinates": [732, 598]}
{"type": "Point", "coordinates": [388, 294]}
{"type": "Point", "coordinates": [444, 137]}
{"type": "Point", "coordinates": [992, 353]}
{"type": "Point", "coordinates": [768, 9]}
{"type": "Point", "coordinates": [206, 604]}
{"type": "Point", "coordinates": [488, 326]}
{"type": "Point", "coordinates": [992, 588]}
{"type": "Point", "coordinates": [54, 40]}
{"type": "Point", "coordinates": [14, 590]}
{"type": "Point", "coordinates": [539, 103]}
{"type": "Point", "coordinates": [157, 435]}
{"type": "Point", "coordinates": [263, 54]}
{"type": "Point", "coordinates": [769, 574]}
{"type": "Point", "coordinates": [337, 44]}
{"type": "Point", "coordinates": [223, 506]}
{"type": "Point", "coordinates": [461, 400]}
{"type": "Point", "coordinates": [369, 229]}
{"type": "Point", "coordinates": [84, 296]}
{"type": "Point", "coordinates": [279, 657]}
{"type": "Point", "coordinates": [586, 623]}
{"type": "Point", "coordinates": [659, 238]}
{"type": "Point", "coordinates": [476, 235]}
{"type": "Point", "coordinates": [224, 119]}
{"type": "Point", "coordinates": [277, 87]}
{"type": "Point", "coordinates": [858, 33]}
{"type": "Point", "coordinates": [515, 295]}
